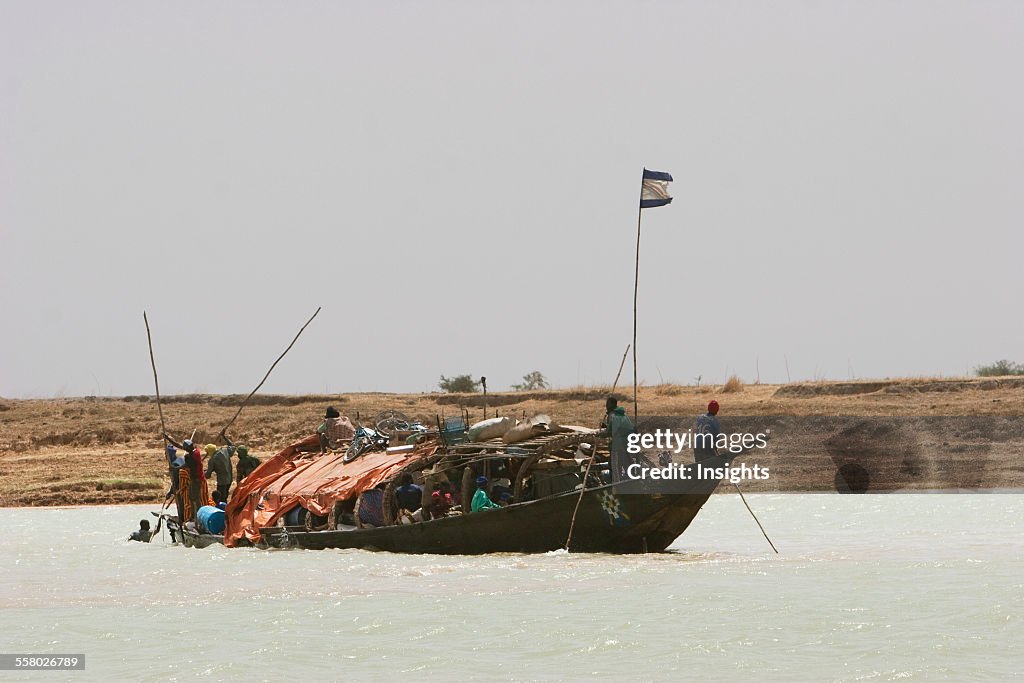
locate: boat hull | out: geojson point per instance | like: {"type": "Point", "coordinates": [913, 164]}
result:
{"type": "Point", "coordinates": [609, 520]}
{"type": "Point", "coordinates": [191, 539]}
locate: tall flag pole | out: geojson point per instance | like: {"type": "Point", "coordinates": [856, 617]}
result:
{"type": "Point", "coordinates": [653, 193]}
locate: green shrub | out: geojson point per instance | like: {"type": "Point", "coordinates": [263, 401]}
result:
{"type": "Point", "coordinates": [1000, 368]}
{"type": "Point", "coordinates": [460, 384]}
{"type": "Point", "coordinates": [532, 381]}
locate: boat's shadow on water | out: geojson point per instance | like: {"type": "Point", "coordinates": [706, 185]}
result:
{"type": "Point", "coordinates": [678, 555]}
{"type": "Point", "coordinates": [673, 556]}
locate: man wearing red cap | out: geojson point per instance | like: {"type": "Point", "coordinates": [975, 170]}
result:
{"type": "Point", "coordinates": [706, 434]}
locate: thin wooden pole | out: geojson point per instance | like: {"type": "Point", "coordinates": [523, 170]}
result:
{"type": "Point", "coordinates": [483, 381]}
{"type": "Point", "coordinates": [636, 284]}
{"type": "Point", "coordinates": [621, 365]}
{"type": "Point", "coordinates": [160, 410]}
{"type": "Point", "coordinates": [583, 489]}
{"type": "Point", "coordinates": [590, 462]}
{"type": "Point", "coordinates": [160, 518]}
{"type": "Point", "coordinates": [755, 518]}
{"type": "Point", "coordinates": [223, 432]}
{"type": "Point", "coordinates": [156, 382]}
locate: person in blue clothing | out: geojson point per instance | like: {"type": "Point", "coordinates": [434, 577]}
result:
{"type": "Point", "coordinates": [619, 428]}
{"type": "Point", "coordinates": [410, 500]}
{"type": "Point", "coordinates": [706, 434]}
{"type": "Point", "coordinates": [481, 501]}
{"type": "Point", "coordinates": [174, 464]}
{"type": "Point", "coordinates": [371, 508]}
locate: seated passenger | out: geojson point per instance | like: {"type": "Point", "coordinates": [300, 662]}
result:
{"type": "Point", "coordinates": [143, 534]}
{"type": "Point", "coordinates": [453, 498]}
{"type": "Point", "coordinates": [334, 429]}
{"type": "Point", "coordinates": [409, 497]}
{"type": "Point", "coordinates": [439, 503]}
{"type": "Point", "coordinates": [502, 489]}
{"type": "Point", "coordinates": [371, 508]}
{"type": "Point", "coordinates": [481, 501]}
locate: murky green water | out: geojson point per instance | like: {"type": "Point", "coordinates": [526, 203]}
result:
{"type": "Point", "coordinates": [865, 587]}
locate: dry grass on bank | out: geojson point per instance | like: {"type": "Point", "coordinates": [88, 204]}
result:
{"type": "Point", "coordinates": [108, 450]}
{"type": "Point", "coordinates": [732, 385]}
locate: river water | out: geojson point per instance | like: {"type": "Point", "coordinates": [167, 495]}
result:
{"type": "Point", "coordinates": [873, 587]}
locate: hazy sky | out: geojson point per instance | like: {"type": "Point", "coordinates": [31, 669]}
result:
{"type": "Point", "coordinates": [456, 183]}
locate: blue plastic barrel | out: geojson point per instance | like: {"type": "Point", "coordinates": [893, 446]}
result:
{"type": "Point", "coordinates": [296, 516]}
{"type": "Point", "coordinates": [211, 519]}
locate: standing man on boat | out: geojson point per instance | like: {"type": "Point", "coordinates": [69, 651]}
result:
{"type": "Point", "coordinates": [610, 404]}
{"type": "Point", "coordinates": [246, 463]}
{"type": "Point", "coordinates": [619, 428]}
{"type": "Point", "coordinates": [193, 472]}
{"type": "Point", "coordinates": [706, 434]}
{"type": "Point", "coordinates": [196, 477]}
{"type": "Point", "coordinates": [174, 465]}
{"type": "Point", "coordinates": [220, 464]}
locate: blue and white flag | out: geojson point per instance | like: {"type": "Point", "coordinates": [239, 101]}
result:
{"type": "Point", "coordinates": [654, 191]}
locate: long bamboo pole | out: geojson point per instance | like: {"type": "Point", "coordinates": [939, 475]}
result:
{"type": "Point", "coordinates": [636, 285]}
{"type": "Point", "coordinates": [621, 365]}
{"type": "Point", "coordinates": [156, 381]}
{"type": "Point", "coordinates": [223, 432]}
{"type": "Point", "coordinates": [160, 410]}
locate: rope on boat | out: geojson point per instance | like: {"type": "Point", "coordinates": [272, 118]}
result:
{"type": "Point", "coordinates": [755, 518]}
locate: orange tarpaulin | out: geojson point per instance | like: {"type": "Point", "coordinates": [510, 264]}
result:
{"type": "Point", "coordinates": [316, 481]}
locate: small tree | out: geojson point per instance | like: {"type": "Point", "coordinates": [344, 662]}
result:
{"type": "Point", "coordinates": [460, 384]}
{"type": "Point", "coordinates": [999, 369]}
{"type": "Point", "coordinates": [532, 381]}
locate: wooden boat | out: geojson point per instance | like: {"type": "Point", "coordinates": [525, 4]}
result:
{"type": "Point", "coordinates": [547, 484]}
{"type": "Point", "coordinates": [608, 521]}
